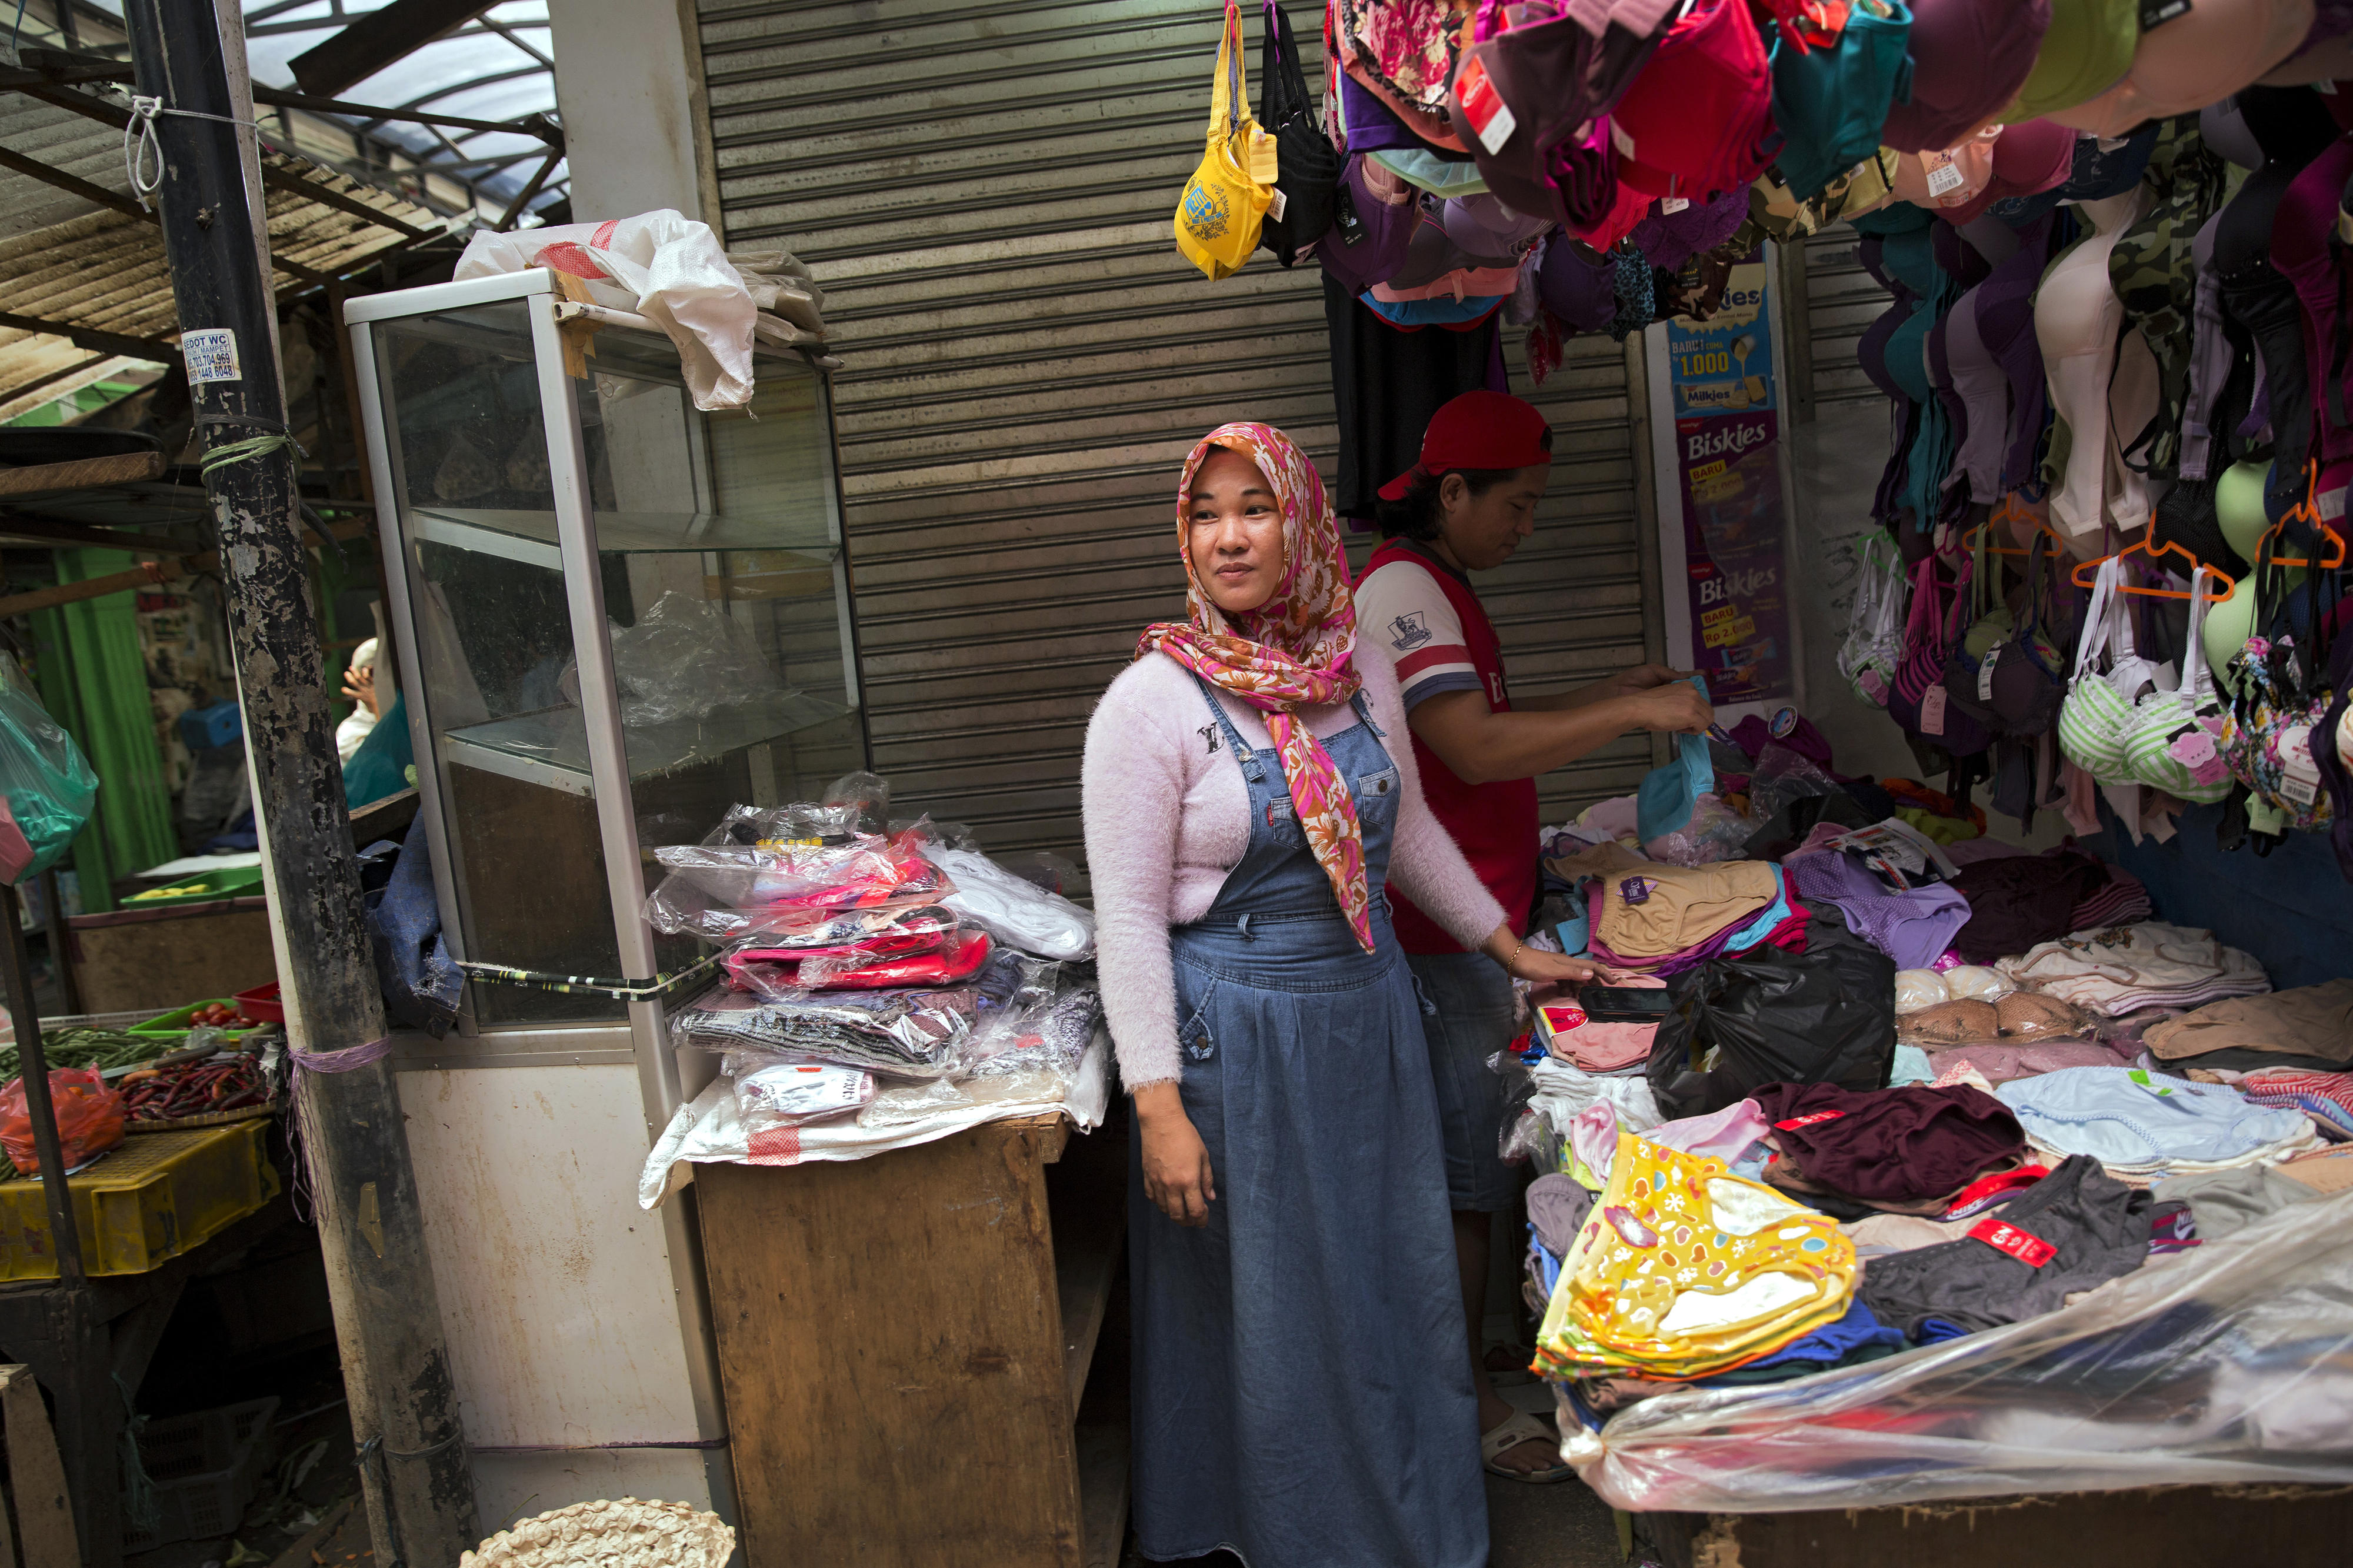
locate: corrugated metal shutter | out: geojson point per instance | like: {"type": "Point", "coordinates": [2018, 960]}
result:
{"type": "Point", "coordinates": [1839, 300]}
{"type": "Point", "coordinates": [983, 192]}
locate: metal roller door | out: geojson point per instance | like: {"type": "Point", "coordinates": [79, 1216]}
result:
{"type": "Point", "coordinates": [984, 192]}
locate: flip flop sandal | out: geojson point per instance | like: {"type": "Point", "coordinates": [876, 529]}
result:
{"type": "Point", "coordinates": [1521, 1428]}
{"type": "Point", "coordinates": [1513, 1373]}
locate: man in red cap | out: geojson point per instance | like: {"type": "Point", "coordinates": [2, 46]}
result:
{"type": "Point", "coordinates": [1464, 508]}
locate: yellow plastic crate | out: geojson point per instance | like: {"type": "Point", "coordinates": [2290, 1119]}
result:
{"type": "Point", "coordinates": [152, 1198]}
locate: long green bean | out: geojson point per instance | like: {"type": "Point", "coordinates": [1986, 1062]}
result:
{"type": "Point", "coordinates": [100, 1048]}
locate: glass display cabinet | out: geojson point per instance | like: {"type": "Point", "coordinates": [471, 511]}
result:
{"type": "Point", "coordinates": [617, 615]}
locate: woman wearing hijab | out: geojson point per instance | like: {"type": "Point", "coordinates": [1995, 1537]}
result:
{"type": "Point", "coordinates": [1300, 1393]}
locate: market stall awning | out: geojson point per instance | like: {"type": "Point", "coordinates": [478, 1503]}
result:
{"type": "Point", "coordinates": [82, 276]}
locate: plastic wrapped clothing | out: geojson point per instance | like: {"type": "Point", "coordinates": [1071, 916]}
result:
{"type": "Point", "coordinates": [2227, 1365]}
{"type": "Point", "coordinates": [1014, 910]}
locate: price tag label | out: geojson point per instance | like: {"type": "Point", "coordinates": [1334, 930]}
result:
{"type": "Point", "coordinates": [1491, 118]}
{"type": "Point", "coordinates": [2003, 1236]}
{"type": "Point", "coordinates": [1809, 1119]}
{"type": "Point", "coordinates": [2299, 774]}
{"type": "Point", "coordinates": [1932, 712]}
{"type": "Point", "coordinates": [1670, 206]}
{"type": "Point", "coordinates": [1985, 673]}
{"type": "Point", "coordinates": [1874, 684]}
{"type": "Point", "coordinates": [1944, 175]}
{"type": "Point", "coordinates": [1277, 204]}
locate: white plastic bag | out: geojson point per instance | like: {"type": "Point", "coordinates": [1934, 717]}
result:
{"type": "Point", "coordinates": [662, 265]}
{"type": "Point", "coordinates": [2227, 1365]}
{"type": "Point", "coordinates": [1013, 909]}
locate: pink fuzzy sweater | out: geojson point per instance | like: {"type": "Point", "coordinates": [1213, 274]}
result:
{"type": "Point", "coordinates": [1153, 867]}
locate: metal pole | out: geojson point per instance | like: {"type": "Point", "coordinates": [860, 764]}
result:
{"type": "Point", "coordinates": [404, 1407]}
{"type": "Point", "coordinates": [34, 1063]}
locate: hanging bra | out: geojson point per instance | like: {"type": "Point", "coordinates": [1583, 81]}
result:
{"type": "Point", "coordinates": [2078, 319]}
{"type": "Point", "coordinates": [2177, 67]}
{"type": "Point", "coordinates": [1983, 393]}
{"type": "Point", "coordinates": [2088, 47]}
{"type": "Point", "coordinates": [2006, 324]}
{"type": "Point", "coordinates": [2028, 160]}
{"type": "Point", "coordinates": [1968, 59]}
{"type": "Point", "coordinates": [2155, 277]}
{"type": "Point", "coordinates": [2303, 252]}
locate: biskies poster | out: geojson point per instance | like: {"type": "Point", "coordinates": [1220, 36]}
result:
{"type": "Point", "coordinates": [1728, 456]}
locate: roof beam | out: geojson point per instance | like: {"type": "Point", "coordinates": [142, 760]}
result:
{"type": "Point", "coordinates": [383, 35]}
{"type": "Point", "coordinates": [83, 473]}
{"type": "Point", "coordinates": [154, 351]}
{"type": "Point", "coordinates": [44, 530]}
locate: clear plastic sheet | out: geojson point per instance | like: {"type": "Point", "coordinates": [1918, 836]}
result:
{"type": "Point", "coordinates": [2231, 1363]}
{"type": "Point", "coordinates": [1784, 776]}
{"type": "Point", "coordinates": [687, 659]}
{"type": "Point", "coordinates": [1716, 831]}
{"type": "Point", "coordinates": [1043, 1026]}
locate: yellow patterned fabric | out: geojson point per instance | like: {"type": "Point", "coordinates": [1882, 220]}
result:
{"type": "Point", "coordinates": [1684, 1270]}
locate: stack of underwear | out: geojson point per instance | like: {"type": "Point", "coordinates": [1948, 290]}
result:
{"type": "Point", "coordinates": [2124, 970]}
{"type": "Point", "coordinates": [1651, 917]}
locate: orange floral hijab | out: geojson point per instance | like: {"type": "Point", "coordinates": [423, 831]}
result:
{"type": "Point", "coordinates": [1292, 652]}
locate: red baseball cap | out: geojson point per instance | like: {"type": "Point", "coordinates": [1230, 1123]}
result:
{"type": "Point", "coordinates": [1477, 430]}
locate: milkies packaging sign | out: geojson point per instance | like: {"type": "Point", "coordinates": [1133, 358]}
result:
{"type": "Point", "coordinates": [1728, 457]}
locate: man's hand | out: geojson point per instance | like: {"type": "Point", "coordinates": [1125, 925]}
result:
{"type": "Point", "coordinates": [359, 686]}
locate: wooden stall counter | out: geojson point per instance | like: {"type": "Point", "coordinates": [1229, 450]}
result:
{"type": "Point", "coordinates": [905, 1343]}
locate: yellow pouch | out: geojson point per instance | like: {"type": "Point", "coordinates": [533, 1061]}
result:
{"type": "Point", "coordinates": [1225, 201]}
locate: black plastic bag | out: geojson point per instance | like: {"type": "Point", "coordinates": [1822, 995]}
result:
{"type": "Point", "coordinates": [1824, 1015]}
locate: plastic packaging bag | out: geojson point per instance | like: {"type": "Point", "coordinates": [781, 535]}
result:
{"type": "Point", "coordinates": [1919, 988]}
{"type": "Point", "coordinates": [89, 1119]}
{"type": "Point", "coordinates": [801, 859]}
{"type": "Point", "coordinates": [911, 1102]}
{"type": "Point", "coordinates": [1824, 1015]}
{"type": "Point", "coordinates": [1044, 1024]}
{"type": "Point", "coordinates": [1716, 831]}
{"type": "Point", "coordinates": [959, 958]}
{"type": "Point", "coordinates": [686, 658]}
{"type": "Point", "coordinates": [907, 1033]}
{"type": "Point", "coordinates": [662, 265]}
{"type": "Point", "coordinates": [1976, 980]}
{"type": "Point", "coordinates": [1782, 775]}
{"type": "Point", "coordinates": [1014, 910]}
{"type": "Point", "coordinates": [787, 1094]}
{"type": "Point", "coordinates": [47, 779]}
{"type": "Point", "coordinates": [869, 793]}
{"type": "Point", "coordinates": [2226, 1365]}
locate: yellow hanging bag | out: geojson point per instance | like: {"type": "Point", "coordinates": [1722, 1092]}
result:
{"type": "Point", "coordinates": [1225, 200]}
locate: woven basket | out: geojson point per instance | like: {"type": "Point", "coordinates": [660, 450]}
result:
{"type": "Point", "coordinates": [610, 1534]}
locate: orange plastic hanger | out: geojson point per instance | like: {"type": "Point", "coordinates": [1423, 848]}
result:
{"type": "Point", "coordinates": [2150, 546]}
{"type": "Point", "coordinates": [2331, 558]}
{"type": "Point", "coordinates": [2308, 511]}
{"type": "Point", "coordinates": [2009, 509]}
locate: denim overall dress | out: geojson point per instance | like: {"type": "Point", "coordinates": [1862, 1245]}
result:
{"type": "Point", "coordinates": [1301, 1388]}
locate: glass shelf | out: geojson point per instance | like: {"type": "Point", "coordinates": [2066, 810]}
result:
{"type": "Point", "coordinates": [531, 536]}
{"type": "Point", "coordinates": [551, 747]}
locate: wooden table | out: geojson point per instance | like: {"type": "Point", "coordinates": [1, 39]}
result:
{"type": "Point", "coordinates": [905, 1343]}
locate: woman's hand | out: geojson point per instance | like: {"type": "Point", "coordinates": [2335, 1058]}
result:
{"type": "Point", "coordinates": [1534, 965]}
{"type": "Point", "coordinates": [1177, 1175]}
